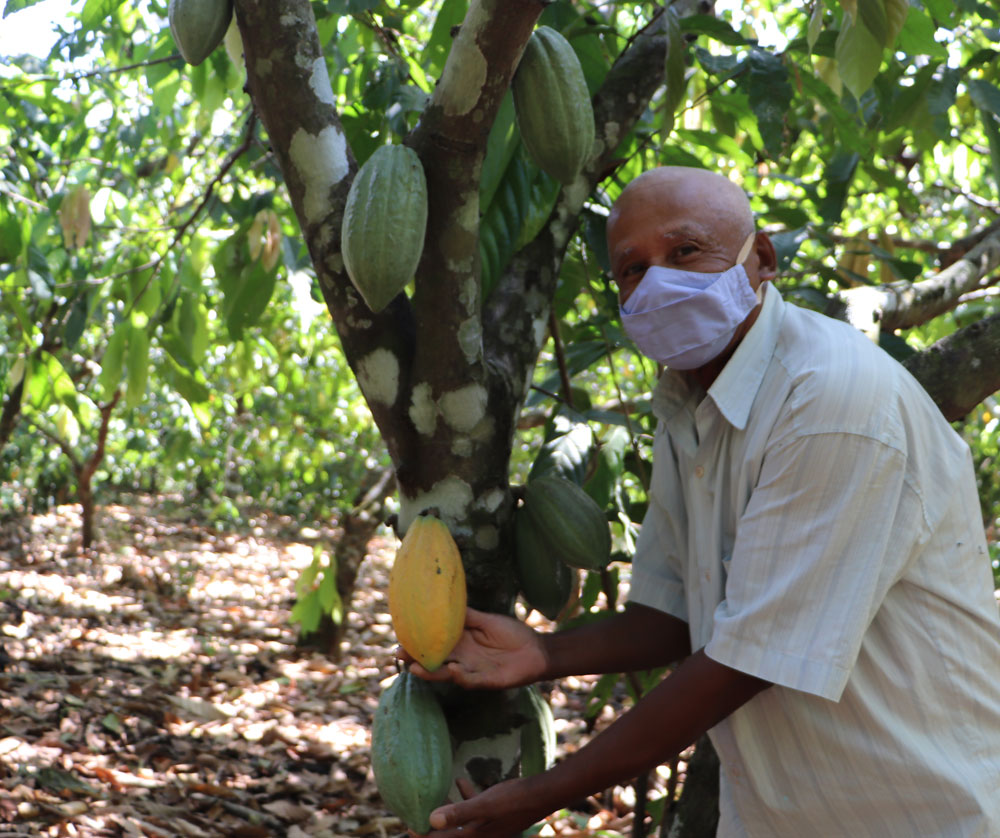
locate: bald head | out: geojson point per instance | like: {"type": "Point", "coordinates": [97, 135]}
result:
{"type": "Point", "coordinates": [700, 191]}
{"type": "Point", "coordinates": [678, 217]}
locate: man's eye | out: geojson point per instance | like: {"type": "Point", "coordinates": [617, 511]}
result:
{"type": "Point", "coordinates": [686, 250]}
{"type": "Point", "coordinates": [632, 270]}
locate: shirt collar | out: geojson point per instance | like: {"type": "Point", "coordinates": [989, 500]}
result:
{"type": "Point", "coordinates": [736, 386]}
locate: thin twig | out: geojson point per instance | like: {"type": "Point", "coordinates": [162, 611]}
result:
{"type": "Point", "coordinates": [103, 71]}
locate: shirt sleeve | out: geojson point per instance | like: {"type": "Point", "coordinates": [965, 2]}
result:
{"type": "Point", "coordinates": [656, 567]}
{"type": "Point", "coordinates": [828, 529]}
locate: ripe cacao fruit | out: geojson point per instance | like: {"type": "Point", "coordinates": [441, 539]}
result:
{"type": "Point", "coordinates": [567, 521]}
{"type": "Point", "coordinates": [411, 751]}
{"type": "Point", "coordinates": [427, 594]}
{"type": "Point", "coordinates": [552, 103]}
{"type": "Point", "coordinates": [546, 582]}
{"type": "Point", "coordinates": [385, 219]}
{"type": "Point", "coordinates": [538, 736]}
{"type": "Point", "coordinates": [199, 26]}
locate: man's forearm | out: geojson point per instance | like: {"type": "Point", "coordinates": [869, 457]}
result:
{"type": "Point", "coordinates": [694, 698]}
{"type": "Point", "coordinates": [637, 638]}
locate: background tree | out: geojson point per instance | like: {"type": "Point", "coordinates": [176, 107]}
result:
{"type": "Point", "coordinates": [866, 132]}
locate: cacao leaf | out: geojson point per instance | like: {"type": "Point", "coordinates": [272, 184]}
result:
{"type": "Point", "coordinates": [112, 362]}
{"type": "Point", "coordinates": [896, 12]}
{"type": "Point", "coordinates": [770, 98]}
{"type": "Point", "coordinates": [992, 132]}
{"type": "Point", "coordinates": [675, 70]}
{"type": "Point", "coordinates": [610, 467]}
{"type": "Point", "coordinates": [859, 56]}
{"type": "Point", "coordinates": [566, 455]}
{"type": "Point", "coordinates": [96, 11]}
{"type": "Point", "coordinates": [872, 14]}
{"type": "Point", "coordinates": [815, 24]}
{"type": "Point", "coordinates": [137, 365]}
{"type": "Point", "coordinates": [16, 6]}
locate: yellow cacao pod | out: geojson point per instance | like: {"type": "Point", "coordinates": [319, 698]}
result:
{"type": "Point", "coordinates": [552, 104]}
{"type": "Point", "coordinates": [199, 26]}
{"type": "Point", "coordinates": [427, 592]}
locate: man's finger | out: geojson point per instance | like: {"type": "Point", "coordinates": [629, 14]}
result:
{"type": "Point", "coordinates": [466, 788]}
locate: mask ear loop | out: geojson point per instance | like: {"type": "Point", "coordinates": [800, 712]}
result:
{"type": "Point", "coordinates": [744, 254]}
{"type": "Point", "coordinates": [747, 247]}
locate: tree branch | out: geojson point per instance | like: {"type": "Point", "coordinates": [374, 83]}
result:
{"type": "Point", "coordinates": [902, 305]}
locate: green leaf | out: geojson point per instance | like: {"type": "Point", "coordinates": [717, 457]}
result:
{"type": "Point", "coordinates": [815, 24]}
{"type": "Point", "coordinates": [917, 35]}
{"type": "Point", "coordinates": [676, 68]}
{"type": "Point", "coordinates": [95, 12]}
{"type": "Point", "coordinates": [307, 613]}
{"type": "Point", "coordinates": [992, 131]}
{"type": "Point", "coordinates": [713, 27]}
{"type": "Point", "coordinates": [113, 361]}
{"type": "Point", "coordinates": [610, 467]}
{"type": "Point", "coordinates": [137, 365]}
{"type": "Point", "coordinates": [770, 98]}
{"type": "Point", "coordinates": [566, 455]}
{"type": "Point", "coordinates": [872, 14]}
{"type": "Point", "coordinates": [859, 55]}
{"type": "Point", "coordinates": [16, 6]}
{"type": "Point", "coordinates": [985, 96]}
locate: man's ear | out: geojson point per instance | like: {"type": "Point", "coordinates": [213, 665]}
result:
{"type": "Point", "coordinates": [767, 258]}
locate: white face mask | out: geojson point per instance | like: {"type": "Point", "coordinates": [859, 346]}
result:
{"type": "Point", "coordinates": [684, 319]}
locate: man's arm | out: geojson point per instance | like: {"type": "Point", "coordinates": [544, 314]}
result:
{"type": "Point", "coordinates": [637, 638]}
{"type": "Point", "coordinates": [698, 695]}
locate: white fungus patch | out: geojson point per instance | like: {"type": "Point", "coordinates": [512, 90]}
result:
{"type": "Point", "coordinates": [321, 163]}
{"type": "Point", "coordinates": [487, 537]}
{"type": "Point", "coordinates": [319, 81]}
{"type": "Point", "coordinates": [423, 410]}
{"type": "Point", "coordinates": [470, 339]}
{"type": "Point", "coordinates": [451, 497]}
{"type": "Point", "coordinates": [378, 375]}
{"type": "Point", "coordinates": [490, 501]}
{"type": "Point", "coordinates": [461, 446]}
{"type": "Point", "coordinates": [465, 72]}
{"type": "Point", "coordinates": [464, 408]}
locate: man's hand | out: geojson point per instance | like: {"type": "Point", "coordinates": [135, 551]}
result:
{"type": "Point", "coordinates": [502, 811]}
{"type": "Point", "coordinates": [494, 652]}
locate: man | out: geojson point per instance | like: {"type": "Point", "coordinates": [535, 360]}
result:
{"type": "Point", "coordinates": [812, 556]}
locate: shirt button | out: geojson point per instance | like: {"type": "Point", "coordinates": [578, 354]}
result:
{"type": "Point", "coordinates": [699, 471]}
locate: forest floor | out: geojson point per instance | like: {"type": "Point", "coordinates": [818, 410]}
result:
{"type": "Point", "coordinates": [153, 686]}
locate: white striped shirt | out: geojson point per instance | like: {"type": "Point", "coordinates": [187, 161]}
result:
{"type": "Point", "coordinates": [815, 520]}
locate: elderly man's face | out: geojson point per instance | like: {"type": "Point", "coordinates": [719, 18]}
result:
{"type": "Point", "coordinates": [673, 220]}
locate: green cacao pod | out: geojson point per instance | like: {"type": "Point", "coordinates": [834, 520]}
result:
{"type": "Point", "coordinates": [199, 26]}
{"type": "Point", "coordinates": [411, 751]}
{"type": "Point", "coordinates": [552, 103]}
{"type": "Point", "coordinates": [538, 736]}
{"type": "Point", "coordinates": [385, 219]}
{"type": "Point", "coordinates": [568, 522]}
{"type": "Point", "coordinates": [546, 582]}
